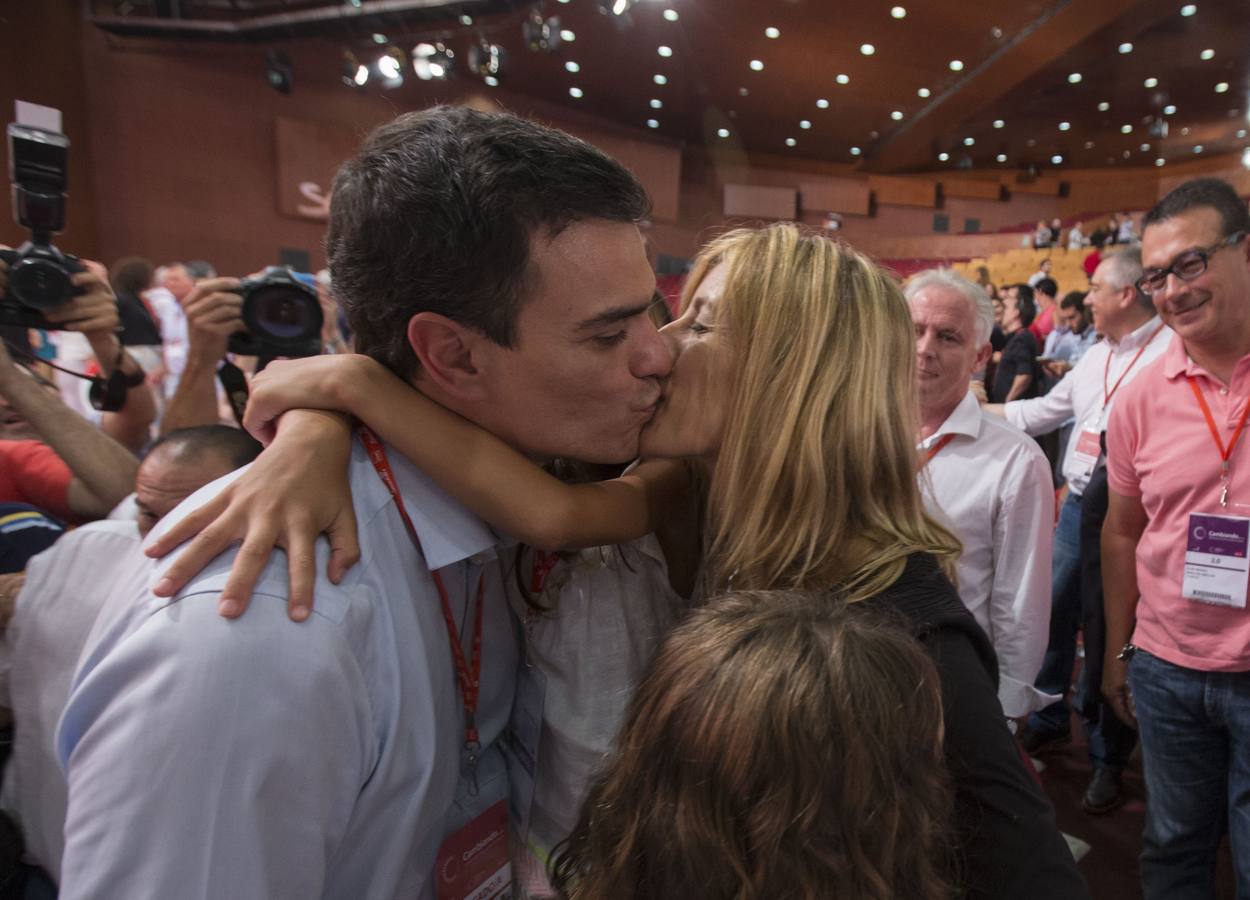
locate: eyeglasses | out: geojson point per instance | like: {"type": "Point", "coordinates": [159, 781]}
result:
{"type": "Point", "coordinates": [1188, 266]}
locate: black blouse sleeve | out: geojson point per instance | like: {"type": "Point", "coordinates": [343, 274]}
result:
{"type": "Point", "coordinates": [1011, 846]}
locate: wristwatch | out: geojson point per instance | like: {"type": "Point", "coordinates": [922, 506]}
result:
{"type": "Point", "coordinates": [1126, 652]}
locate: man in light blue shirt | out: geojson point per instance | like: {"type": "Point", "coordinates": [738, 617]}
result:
{"type": "Point", "coordinates": [496, 265]}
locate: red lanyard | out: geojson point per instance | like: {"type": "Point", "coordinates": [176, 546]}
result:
{"type": "Point", "coordinates": [470, 679]}
{"type": "Point", "coordinates": [1108, 394]}
{"type": "Point", "coordinates": [937, 448]}
{"type": "Point", "coordinates": [1225, 453]}
{"type": "Point", "coordinates": [544, 562]}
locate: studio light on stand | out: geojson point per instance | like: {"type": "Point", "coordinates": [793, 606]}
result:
{"type": "Point", "coordinates": [432, 62]}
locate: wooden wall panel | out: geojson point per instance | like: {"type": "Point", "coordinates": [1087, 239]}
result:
{"type": "Point", "coordinates": [840, 195]}
{"type": "Point", "coordinates": [760, 202]}
{"type": "Point", "coordinates": [971, 188]}
{"type": "Point", "coordinates": [900, 191]}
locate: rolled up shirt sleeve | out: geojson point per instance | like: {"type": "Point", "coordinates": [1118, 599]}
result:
{"type": "Point", "coordinates": [210, 758]}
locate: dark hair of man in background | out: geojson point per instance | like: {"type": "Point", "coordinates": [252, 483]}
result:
{"type": "Point", "coordinates": [1073, 300]}
{"type": "Point", "coordinates": [1026, 305]}
{"type": "Point", "coordinates": [1046, 286]}
{"type": "Point", "coordinates": [232, 444]}
{"type": "Point", "coordinates": [436, 213]}
{"type": "Point", "coordinates": [1212, 192]}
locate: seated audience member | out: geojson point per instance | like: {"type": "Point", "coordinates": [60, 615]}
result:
{"type": "Point", "coordinates": [1041, 235]}
{"type": "Point", "coordinates": [1125, 233]}
{"type": "Point", "coordinates": [1056, 231]}
{"type": "Point", "coordinates": [1068, 342]}
{"type": "Point", "coordinates": [1043, 271]}
{"type": "Point", "coordinates": [780, 745]}
{"type": "Point", "coordinates": [60, 603]}
{"type": "Point", "coordinates": [988, 479]}
{"type": "Point", "coordinates": [1076, 237]}
{"type": "Point", "coordinates": [794, 390]}
{"type": "Point", "coordinates": [53, 458]}
{"type": "Point", "coordinates": [1017, 373]}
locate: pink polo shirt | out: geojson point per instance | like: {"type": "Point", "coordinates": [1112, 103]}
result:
{"type": "Point", "coordinates": [1159, 448]}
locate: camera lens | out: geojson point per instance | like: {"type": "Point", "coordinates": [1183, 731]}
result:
{"type": "Point", "coordinates": [39, 283]}
{"type": "Point", "coordinates": [283, 314]}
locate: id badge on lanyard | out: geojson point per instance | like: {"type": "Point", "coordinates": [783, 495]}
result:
{"type": "Point", "coordinates": [472, 864]}
{"type": "Point", "coordinates": [1217, 560]}
{"type": "Point", "coordinates": [1089, 442]}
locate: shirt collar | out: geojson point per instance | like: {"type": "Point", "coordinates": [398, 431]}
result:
{"type": "Point", "coordinates": [1135, 338]}
{"type": "Point", "coordinates": [964, 419]}
{"type": "Point", "coordinates": [448, 532]}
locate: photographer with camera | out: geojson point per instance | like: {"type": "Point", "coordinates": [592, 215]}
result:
{"type": "Point", "coordinates": [268, 315]}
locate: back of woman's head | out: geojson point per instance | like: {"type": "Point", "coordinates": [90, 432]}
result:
{"type": "Point", "coordinates": [780, 745]}
{"type": "Point", "coordinates": [815, 484]}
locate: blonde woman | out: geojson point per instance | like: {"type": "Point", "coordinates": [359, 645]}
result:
{"type": "Point", "coordinates": [793, 392]}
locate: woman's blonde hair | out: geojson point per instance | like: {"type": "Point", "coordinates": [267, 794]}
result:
{"type": "Point", "coordinates": [781, 744]}
{"type": "Point", "coordinates": [815, 484]}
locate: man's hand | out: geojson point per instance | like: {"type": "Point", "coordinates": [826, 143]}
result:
{"type": "Point", "coordinates": [92, 313]}
{"type": "Point", "coordinates": [214, 313]}
{"type": "Point", "coordinates": [1115, 687]}
{"type": "Point", "coordinates": [977, 387]}
{"type": "Point", "coordinates": [1056, 368]}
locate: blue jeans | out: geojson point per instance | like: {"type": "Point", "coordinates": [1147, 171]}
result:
{"type": "Point", "coordinates": [1195, 736]}
{"type": "Point", "coordinates": [1055, 675]}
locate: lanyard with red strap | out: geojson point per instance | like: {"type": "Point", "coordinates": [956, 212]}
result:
{"type": "Point", "coordinates": [936, 449]}
{"type": "Point", "coordinates": [1225, 452]}
{"type": "Point", "coordinates": [1108, 394]}
{"type": "Point", "coordinates": [544, 562]}
{"type": "Point", "coordinates": [469, 674]}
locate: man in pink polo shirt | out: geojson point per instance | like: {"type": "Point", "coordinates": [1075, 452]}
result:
{"type": "Point", "coordinates": [1176, 545]}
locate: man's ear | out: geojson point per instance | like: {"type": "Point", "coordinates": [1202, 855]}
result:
{"type": "Point", "coordinates": [983, 356]}
{"type": "Point", "coordinates": [448, 351]}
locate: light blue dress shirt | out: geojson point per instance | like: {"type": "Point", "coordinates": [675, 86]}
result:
{"type": "Point", "coordinates": [259, 758]}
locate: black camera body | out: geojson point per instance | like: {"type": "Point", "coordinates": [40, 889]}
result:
{"type": "Point", "coordinates": [282, 315]}
{"type": "Point", "coordinates": [39, 273]}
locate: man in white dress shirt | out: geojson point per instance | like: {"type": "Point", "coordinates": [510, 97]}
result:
{"type": "Point", "coordinates": [1134, 336]}
{"type": "Point", "coordinates": [358, 755]}
{"type": "Point", "coordinates": [989, 480]}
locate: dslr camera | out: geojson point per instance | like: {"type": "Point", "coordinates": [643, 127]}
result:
{"type": "Point", "coordinates": [282, 316]}
{"type": "Point", "coordinates": [39, 273]}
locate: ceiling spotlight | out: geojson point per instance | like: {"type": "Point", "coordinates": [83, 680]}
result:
{"type": "Point", "coordinates": [1150, 82]}
{"type": "Point", "coordinates": [867, 49]}
{"type": "Point", "coordinates": [1104, 106]}
{"type": "Point", "coordinates": [278, 71]}
{"type": "Point", "coordinates": [1222, 87]}
{"type": "Point", "coordinates": [968, 142]}
{"type": "Point", "coordinates": [805, 124]}
{"type": "Point", "coordinates": [1245, 157]}
{"type": "Point", "coordinates": [1241, 133]}
{"type": "Point", "coordinates": [999, 123]}
{"type": "Point", "coordinates": [1158, 128]}
{"type": "Point", "coordinates": [653, 123]}
{"type": "Point", "coordinates": [1002, 157]}
{"type": "Point", "coordinates": [352, 72]}
{"type": "Point", "coordinates": [1207, 54]}
{"type": "Point", "coordinates": [897, 115]}
{"type": "Point", "coordinates": [1159, 161]}
{"type": "Point", "coordinates": [1064, 126]}
{"type": "Point", "coordinates": [390, 66]}
{"type": "Point", "coordinates": [1089, 145]}
{"type": "Point", "coordinates": [855, 151]}
{"type": "Point", "coordinates": [664, 51]}
{"type": "Point", "coordinates": [486, 58]}
{"type": "Point", "coordinates": [771, 32]}
{"type": "Point", "coordinates": [1074, 78]}
{"type": "Point", "coordinates": [790, 142]}
{"type": "Point", "coordinates": [541, 35]}
{"type": "Point", "coordinates": [379, 38]}
{"type": "Point", "coordinates": [842, 79]}
{"type": "Point", "coordinates": [1188, 9]}
{"type": "Point", "coordinates": [898, 12]}
{"type": "Point", "coordinates": [743, 92]}
{"type": "Point", "coordinates": [956, 65]}
{"type": "Point", "coordinates": [573, 67]}
{"type": "Point", "coordinates": [756, 65]}
{"type": "Point", "coordinates": [671, 15]}
{"type": "Point", "coordinates": [615, 7]}
{"type": "Point", "coordinates": [568, 35]}
{"type": "Point", "coordinates": [1144, 147]}
{"type": "Point", "coordinates": [657, 104]}
{"type": "Point", "coordinates": [491, 81]}
{"type": "Point", "coordinates": [943, 157]}
{"type": "Point", "coordinates": [432, 62]}
{"type": "Point", "coordinates": [660, 79]}
{"type": "Point", "coordinates": [1197, 148]}
{"type": "Point", "coordinates": [1126, 47]}
{"type": "Point", "coordinates": [1169, 110]}
{"type": "Point", "coordinates": [722, 132]}
{"type": "Point", "coordinates": [466, 20]}
{"type": "Point", "coordinates": [1126, 129]}
{"type": "Point", "coordinates": [576, 93]}
{"type": "Point", "coordinates": [1056, 159]}
{"type": "Point", "coordinates": [923, 92]}
{"type": "Point", "coordinates": [822, 103]}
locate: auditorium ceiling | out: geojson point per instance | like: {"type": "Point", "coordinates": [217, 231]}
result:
{"type": "Point", "coordinates": [917, 85]}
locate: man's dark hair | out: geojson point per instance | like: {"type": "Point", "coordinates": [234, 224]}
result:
{"type": "Point", "coordinates": [235, 444]}
{"type": "Point", "coordinates": [131, 275]}
{"type": "Point", "coordinates": [1025, 304]}
{"type": "Point", "coordinates": [1211, 192]}
{"type": "Point", "coordinates": [1073, 300]}
{"type": "Point", "coordinates": [199, 268]}
{"type": "Point", "coordinates": [436, 211]}
{"type": "Point", "coordinates": [1046, 286]}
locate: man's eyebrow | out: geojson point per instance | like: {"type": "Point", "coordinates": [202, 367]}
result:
{"type": "Point", "coordinates": [613, 315]}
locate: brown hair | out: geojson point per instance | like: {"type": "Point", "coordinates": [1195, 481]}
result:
{"type": "Point", "coordinates": [131, 275]}
{"type": "Point", "coordinates": [781, 744]}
